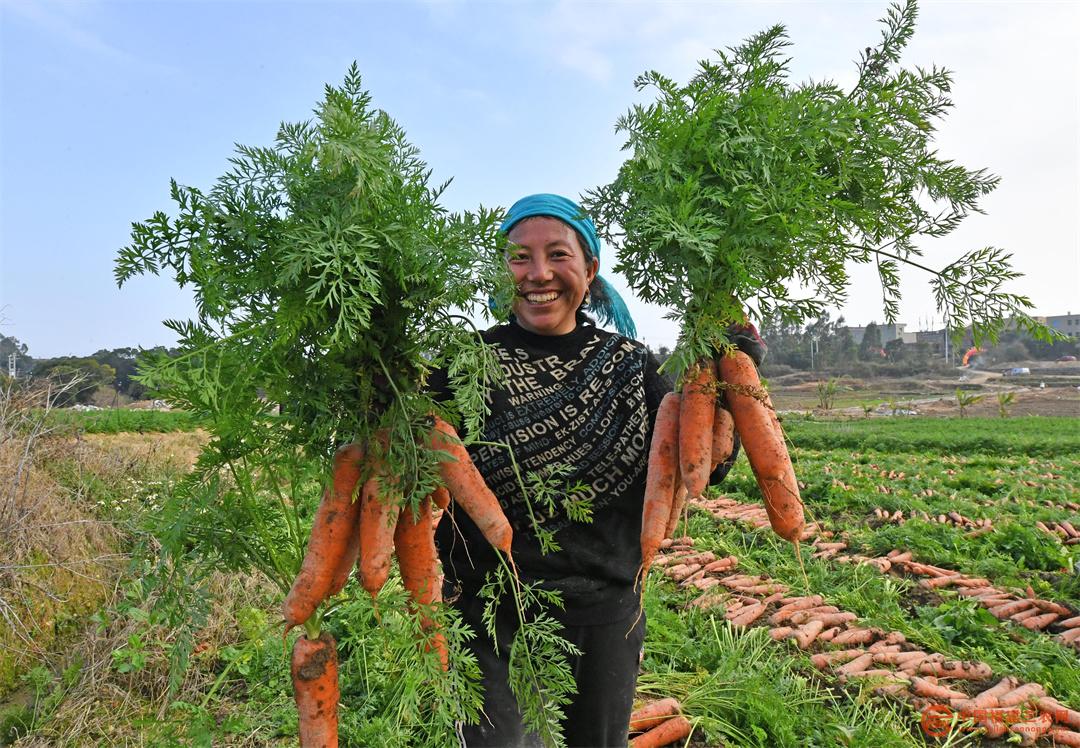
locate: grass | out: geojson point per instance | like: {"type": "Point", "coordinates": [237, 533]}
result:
{"type": "Point", "coordinates": [119, 420]}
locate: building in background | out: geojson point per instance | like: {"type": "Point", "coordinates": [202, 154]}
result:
{"type": "Point", "coordinates": [1066, 323]}
{"type": "Point", "coordinates": [889, 333]}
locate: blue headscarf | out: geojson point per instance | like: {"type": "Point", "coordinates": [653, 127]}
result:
{"type": "Point", "coordinates": [608, 305]}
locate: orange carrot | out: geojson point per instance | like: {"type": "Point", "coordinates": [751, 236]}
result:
{"type": "Point", "coordinates": [763, 441]}
{"type": "Point", "coordinates": [857, 636]}
{"type": "Point", "coordinates": [926, 687]}
{"type": "Point", "coordinates": [723, 439]}
{"type": "Point", "coordinates": [956, 669]}
{"type": "Point", "coordinates": [652, 714]}
{"type": "Point", "coordinates": [988, 699]}
{"type": "Point", "coordinates": [659, 480]}
{"type": "Point", "coordinates": [796, 605]}
{"type": "Point", "coordinates": [676, 728]}
{"type": "Point", "coordinates": [1061, 736]}
{"type": "Point", "coordinates": [805, 634]}
{"type": "Point", "coordinates": [678, 502]}
{"type": "Point", "coordinates": [1059, 711]}
{"type": "Point", "coordinates": [1037, 623]}
{"type": "Point", "coordinates": [468, 488]}
{"type": "Point", "coordinates": [696, 426]}
{"type": "Point", "coordinates": [857, 665]}
{"type": "Point", "coordinates": [748, 615]}
{"type": "Point", "coordinates": [332, 539]}
{"type": "Point", "coordinates": [378, 517]}
{"type": "Point", "coordinates": [441, 497]}
{"type": "Point", "coordinates": [414, 541]}
{"type": "Point", "coordinates": [1022, 694]}
{"type": "Point", "coordinates": [1033, 729]}
{"type": "Point", "coordinates": [314, 673]}
{"type": "Point", "coordinates": [1011, 608]}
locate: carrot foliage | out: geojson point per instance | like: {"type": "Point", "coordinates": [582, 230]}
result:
{"type": "Point", "coordinates": [741, 186]}
{"type": "Point", "coordinates": [329, 281]}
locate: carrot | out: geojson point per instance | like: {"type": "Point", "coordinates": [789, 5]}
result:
{"type": "Point", "coordinates": [956, 669]}
{"type": "Point", "coordinates": [781, 632]}
{"type": "Point", "coordinates": [678, 502]}
{"type": "Point", "coordinates": [828, 634]}
{"type": "Point", "coordinates": [314, 672]}
{"type": "Point", "coordinates": [763, 441]}
{"type": "Point", "coordinates": [825, 659]}
{"type": "Point", "coordinates": [829, 619]}
{"type": "Point", "coordinates": [723, 435]}
{"type": "Point", "coordinates": [1065, 737]}
{"type": "Point", "coordinates": [857, 665]}
{"type": "Point", "coordinates": [1021, 694]}
{"type": "Point", "coordinates": [676, 728]}
{"type": "Point", "coordinates": [763, 589]}
{"type": "Point", "coordinates": [899, 658]}
{"type": "Point", "coordinates": [794, 606]}
{"type": "Point", "coordinates": [722, 564]}
{"type": "Point", "coordinates": [1059, 711]}
{"type": "Point", "coordinates": [988, 699]}
{"type": "Point", "coordinates": [805, 634]}
{"type": "Point", "coordinates": [659, 480]}
{"type": "Point", "coordinates": [1037, 623]}
{"type": "Point", "coordinates": [1008, 609]}
{"type": "Point", "coordinates": [857, 636]}
{"type": "Point", "coordinates": [1033, 729]}
{"type": "Point", "coordinates": [414, 542]}
{"type": "Point", "coordinates": [748, 615]}
{"type": "Point", "coordinates": [684, 557]}
{"type": "Point", "coordinates": [802, 616]}
{"type": "Point", "coordinates": [929, 689]}
{"type": "Point", "coordinates": [1049, 607]}
{"type": "Point", "coordinates": [703, 583]}
{"type": "Point", "coordinates": [468, 488]}
{"type": "Point", "coordinates": [652, 714]}
{"type": "Point", "coordinates": [332, 540]}
{"type": "Point", "coordinates": [696, 413]}
{"type": "Point", "coordinates": [378, 518]}
{"type": "Point", "coordinates": [441, 497]}
{"type": "Point", "coordinates": [682, 571]}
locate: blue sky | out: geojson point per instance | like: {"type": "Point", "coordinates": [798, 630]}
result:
{"type": "Point", "coordinates": [101, 103]}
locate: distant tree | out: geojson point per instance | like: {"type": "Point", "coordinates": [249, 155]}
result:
{"type": "Point", "coordinates": [870, 346]}
{"type": "Point", "coordinates": [125, 362]}
{"type": "Point", "coordinates": [896, 350]}
{"type": "Point", "coordinates": [85, 374]}
{"type": "Point", "coordinates": [11, 345]}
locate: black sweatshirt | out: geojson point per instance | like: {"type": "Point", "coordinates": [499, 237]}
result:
{"type": "Point", "coordinates": [586, 400]}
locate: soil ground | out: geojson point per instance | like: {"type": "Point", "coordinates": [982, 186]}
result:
{"type": "Point", "coordinates": [1050, 390]}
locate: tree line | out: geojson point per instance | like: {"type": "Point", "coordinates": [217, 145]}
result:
{"type": "Point", "coordinates": [80, 376]}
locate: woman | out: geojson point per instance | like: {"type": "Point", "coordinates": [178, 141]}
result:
{"type": "Point", "coordinates": [583, 400]}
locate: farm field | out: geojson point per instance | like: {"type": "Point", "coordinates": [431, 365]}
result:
{"type": "Point", "coordinates": [854, 397]}
{"type": "Point", "coordinates": [881, 494]}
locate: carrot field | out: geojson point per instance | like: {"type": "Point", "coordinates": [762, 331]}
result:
{"type": "Point", "coordinates": [922, 535]}
{"type": "Point", "coordinates": [942, 547]}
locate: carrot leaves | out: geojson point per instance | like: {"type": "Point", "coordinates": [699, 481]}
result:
{"type": "Point", "coordinates": [741, 185]}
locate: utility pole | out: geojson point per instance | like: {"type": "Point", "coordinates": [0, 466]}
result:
{"type": "Point", "coordinates": [813, 350]}
{"type": "Point", "coordinates": [11, 364]}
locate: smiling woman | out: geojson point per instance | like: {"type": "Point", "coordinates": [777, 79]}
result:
{"type": "Point", "coordinates": [551, 273]}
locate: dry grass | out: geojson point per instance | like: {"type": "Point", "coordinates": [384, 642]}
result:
{"type": "Point", "coordinates": [57, 559]}
{"type": "Point", "coordinates": [105, 707]}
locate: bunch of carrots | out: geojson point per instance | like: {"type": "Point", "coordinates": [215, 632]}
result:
{"type": "Point", "coordinates": [365, 531]}
{"type": "Point", "coordinates": [694, 433]}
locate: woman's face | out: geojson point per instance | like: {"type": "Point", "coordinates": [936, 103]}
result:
{"type": "Point", "coordinates": [551, 275]}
